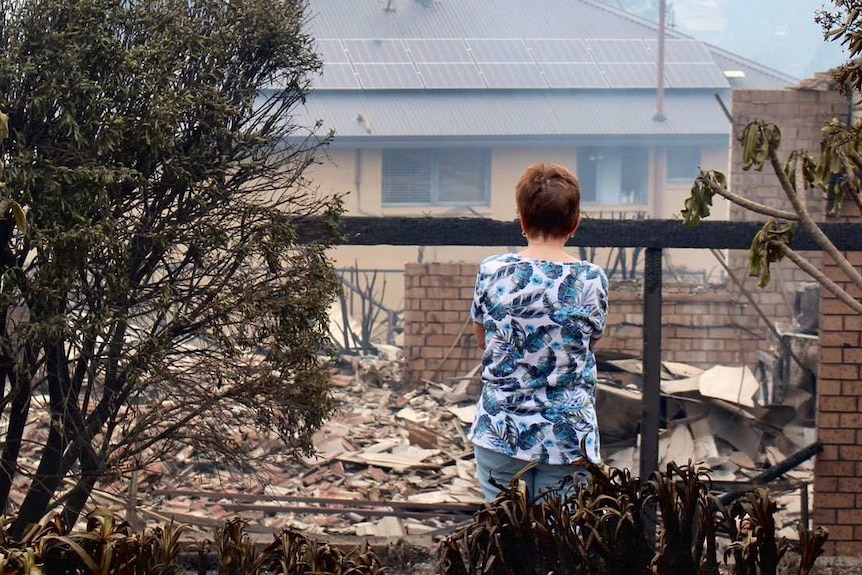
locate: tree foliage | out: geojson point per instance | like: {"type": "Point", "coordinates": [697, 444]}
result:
{"type": "Point", "coordinates": [157, 296]}
{"type": "Point", "coordinates": [833, 174]}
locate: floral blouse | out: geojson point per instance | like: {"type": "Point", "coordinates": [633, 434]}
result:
{"type": "Point", "coordinates": [538, 368]}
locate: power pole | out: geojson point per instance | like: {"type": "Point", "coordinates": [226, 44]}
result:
{"type": "Point", "coordinates": [659, 107]}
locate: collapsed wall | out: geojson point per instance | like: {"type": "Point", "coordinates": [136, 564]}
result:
{"type": "Point", "coordinates": [701, 325]}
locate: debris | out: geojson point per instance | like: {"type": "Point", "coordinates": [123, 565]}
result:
{"type": "Point", "coordinates": [676, 445]}
{"type": "Point", "coordinates": [391, 447]}
{"type": "Point", "coordinates": [464, 414]}
{"type": "Point", "coordinates": [780, 468]}
{"type": "Point", "coordinates": [733, 384]}
{"type": "Point", "coordinates": [806, 308]}
{"type": "Point", "coordinates": [718, 417]}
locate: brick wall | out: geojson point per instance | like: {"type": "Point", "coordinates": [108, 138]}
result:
{"type": "Point", "coordinates": [838, 469]}
{"type": "Point", "coordinates": [701, 326]}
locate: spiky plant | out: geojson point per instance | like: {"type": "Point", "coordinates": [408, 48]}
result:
{"type": "Point", "coordinates": [607, 527]}
{"type": "Point", "coordinates": [109, 546]}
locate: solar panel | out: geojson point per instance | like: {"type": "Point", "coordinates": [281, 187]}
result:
{"type": "Point", "coordinates": [499, 50]}
{"type": "Point", "coordinates": [331, 50]}
{"type": "Point", "coordinates": [630, 75]}
{"type": "Point", "coordinates": [559, 50]}
{"type": "Point", "coordinates": [388, 76]}
{"type": "Point", "coordinates": [683, 75]}
{"type": "Point", "coordinates": [337, 77]}
{"type": "Point", "coordinates": [450, 76]}
{"type": "Point", "coordinates": [573, 75]}
{"type": "Point", "coordinates": [438, 50]}
{"type": "Point", "coordinates": [511, 63]}
{"type": "Point", "coordinates": [619, 51]}
{"type": "Point", "coordinates": [376, 51]}
{"type": "Point", "coordinates": [681, 51]}
{"type": "Point", "coordinates": [512, 76]}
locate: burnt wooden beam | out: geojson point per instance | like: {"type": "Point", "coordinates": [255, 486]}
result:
{"type": "Point", "coordinates": [434, 231]}
{"type": "Point", "coordinates": [792, 462]}
{"type": "Point", "coordinates": [651, 396]}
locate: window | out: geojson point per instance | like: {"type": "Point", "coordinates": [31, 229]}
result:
{"type": "Point", "coordinates": [613, 175]}
{"type": "Point", "coordinates": [683, 163]}
{"type": "Point", "coordinates": [436, 177]}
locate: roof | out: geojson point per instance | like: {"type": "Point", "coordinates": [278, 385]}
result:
{"type": "Point", "coordinates": [501, 68]}
{"type": "Point", "coordinates": [755, 76]}
{"type": "Point", "coordinates": [517, 114]}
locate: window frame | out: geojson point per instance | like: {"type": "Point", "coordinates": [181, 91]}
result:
{"type": "Point", "coordinates": [621, 150]}
{"type": "Point", "coordinates": [435, 170]}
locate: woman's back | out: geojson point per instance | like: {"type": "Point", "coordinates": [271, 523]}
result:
{"type": "Point", "coordinates": [539, 318]}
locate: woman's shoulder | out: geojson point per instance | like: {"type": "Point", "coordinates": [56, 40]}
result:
{"type": "Point", "coordinates": [499, 259]}
{"type": "Point", "coordinates": [587, 268]}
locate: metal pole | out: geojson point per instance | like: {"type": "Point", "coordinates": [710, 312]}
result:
{"type": "Point", "coordinates": [659, 109]}
{"type": "Point", "coordinates": [651, 403]}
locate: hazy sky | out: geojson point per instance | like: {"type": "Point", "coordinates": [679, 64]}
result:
{"type": "Point", "coordinates": [780, 34]}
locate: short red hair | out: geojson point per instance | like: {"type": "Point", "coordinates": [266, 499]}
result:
{"type": "Point", "coordinates": [548, 197]}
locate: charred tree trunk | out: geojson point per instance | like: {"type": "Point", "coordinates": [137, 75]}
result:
{"type": "Point", "coordinates": [19, 408]}
{"type": "Point", "coordinates": [50, 472]}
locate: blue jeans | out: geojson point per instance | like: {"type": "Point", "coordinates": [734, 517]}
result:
{"type": "Point", "coordinates": [502, 468]}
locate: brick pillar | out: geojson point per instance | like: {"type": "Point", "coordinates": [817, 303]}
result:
{"type": "Point", "coordinates": [439, 341]}
{"type": "Point", "coordinates": [838, 470]}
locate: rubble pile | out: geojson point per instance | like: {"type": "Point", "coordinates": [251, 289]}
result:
{"type": "Point", "coordinates": [390, 457]}
{"type": "Point", "coordinates": [383, 445]}
{"type": "Point", "coordinates": [717, 417]}
{"type": "Point", "coordinates": [390, 445]}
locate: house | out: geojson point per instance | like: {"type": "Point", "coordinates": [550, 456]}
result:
{"type": "Point", "coordinates": [438, 105]}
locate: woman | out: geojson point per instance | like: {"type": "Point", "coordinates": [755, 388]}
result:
{"type": "Point", "coordinates": [537, 314]}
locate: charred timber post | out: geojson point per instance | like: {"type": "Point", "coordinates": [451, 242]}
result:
{"type": "Point", "coordinates": [651, 402]}
{"type": "Point", "coordinates": [651, 396]}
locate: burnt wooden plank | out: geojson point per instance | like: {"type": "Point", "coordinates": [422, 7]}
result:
{"type": "Point", "coordinates": [434, 231]}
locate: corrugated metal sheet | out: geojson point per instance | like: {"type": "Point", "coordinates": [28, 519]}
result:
{"type": "Point", "coordinates": [493, 114]}
{"type": "Point", "coordinates": [558, 32]}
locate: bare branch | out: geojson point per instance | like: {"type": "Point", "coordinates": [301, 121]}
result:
{"type": "Point", "coordinates": [752, 205]}
{"type": "Point", "coordinates": [821, 278]}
